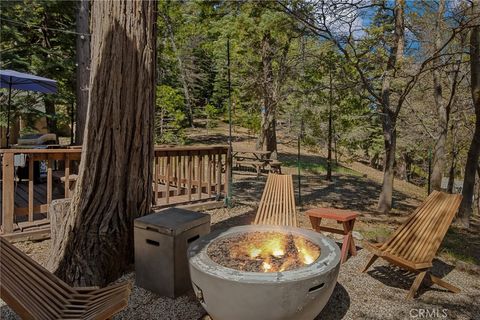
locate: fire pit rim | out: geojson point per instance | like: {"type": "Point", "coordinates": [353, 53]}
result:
{"type": "Point", "coordinates": [328, 259]}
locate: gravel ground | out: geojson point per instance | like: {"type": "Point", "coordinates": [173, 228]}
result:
{"type": "Point", "coordinates": [380, 293]}
{"type": "Point", "coordinates": [377, 294]}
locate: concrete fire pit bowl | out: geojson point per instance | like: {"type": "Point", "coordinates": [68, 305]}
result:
{"type": "Point", "coordinates": [229, 294]}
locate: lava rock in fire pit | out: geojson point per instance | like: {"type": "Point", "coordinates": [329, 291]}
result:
{"type": "Point", "coordinates": [263, 252]}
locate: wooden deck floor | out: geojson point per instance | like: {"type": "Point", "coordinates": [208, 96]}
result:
{"type": "Point", "coordinates": [39, 196]}
{"type": "Point", "coordinates": [39, 228]}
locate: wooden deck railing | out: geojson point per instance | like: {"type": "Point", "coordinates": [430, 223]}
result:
{"type": "Point", "coordinates": [30, 206]}
{"type": "Point", "coordinates": [181, 175]}
{"type": "Point", "coordinates": [190, 173]}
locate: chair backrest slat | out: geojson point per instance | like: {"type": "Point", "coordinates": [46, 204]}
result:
{"type": "Point", "coordinates": [33, 265]}
{"type": "Point", "coordinates": [398, 240]}
{"type": "Point", "coordinates": [277, 204]}
{"type": "Point", "coordinates": [418, 231]}
{"type": "Point", "coordinates": [37, 294]}
{"type": "Point", "coordinates": [449, 214]}
{"type": "Point", "coordinates": [29, 286]}
{"type": "Point", "coordinates": [419, 238]}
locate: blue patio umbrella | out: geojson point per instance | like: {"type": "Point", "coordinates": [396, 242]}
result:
{"type": "Point", "coordinates": [14, 80]}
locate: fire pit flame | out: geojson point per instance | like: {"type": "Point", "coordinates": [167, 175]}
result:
{"type": "Point", "coordinates": [255, 253]}
{"type": "Point", "coordinates": [266, 266]}
{"type": "Point", "coordinates": [264, 252]}
{"type": "Point", "coordinates": [307, 253]}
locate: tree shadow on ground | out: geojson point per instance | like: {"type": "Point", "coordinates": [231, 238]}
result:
{"type": "Point", "coordinates": [345, 192]}
{"type": "Point", "coordinates": [312, 160]}
{"type": "Point", "coordinates": [248, 188]}
{"type": "Point", "coordinates": [348, 190]}
{"type": "Point", "coordinates": [240, 220]}
{"type": "Point", "coordinates": [337, 306]}
{"type": "Point", "coordinates": [463, 244]}
{"type": "Point", "coordinates": [396, 277]}
{"type": "Point", "coordinates": [352, 192]}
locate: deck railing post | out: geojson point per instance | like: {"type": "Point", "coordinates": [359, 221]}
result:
{"type": "Point", "coordinates": [209, 174]}
{"type": "Point", "coordinates": [67, 176]}
{"type": "Point", "coordinates": [30, 189]}
{"type": "Point", "coordinates": [8, 192]}
{"type": "Point", "coordinates": [49, 180]}
{"type": "Point", "coordinates": [167, 180]}
{"type": "Point", "coordinates": [219, 174]}
{"type": "Point", "coordinates": [200, 175]}
{"type": "Point", "coordinates": [190, 173]}
{"type": "Point", "coordinates": [228, 176]}
{"type": "Point", "coordinates": [155, 182]}
{"type": "Point", "coordinates": [176, 174]}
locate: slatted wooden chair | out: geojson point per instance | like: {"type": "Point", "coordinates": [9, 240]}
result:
{"type": "Point", "coordinates": [414, 244]}
{"type": "Point", "coordinates": [34, 293]}
{"type": "Point", "coordinates": [277, 205]}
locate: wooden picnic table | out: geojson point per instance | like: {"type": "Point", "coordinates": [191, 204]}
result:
{"type": "Point", "coordinates": [259, 155]}
{"type": "Point", "coordinates": [259, 159]}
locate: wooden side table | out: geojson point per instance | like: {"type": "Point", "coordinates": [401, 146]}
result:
{"type": "Point", "coordinates": [345, 217]}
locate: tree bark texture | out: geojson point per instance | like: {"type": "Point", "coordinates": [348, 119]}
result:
{"type": "Point", "coordinates": [83, 67]}
{"type": "Point", "coordinates": [390, 145]}
{"type": "Point", "coordinates": [95, 245]}
{"type": "Point", "coordinates": [267, 138]}
{"type": "Point", "coordinates": [451, 173]}
{"type": "Point", "coordinates": [389, 114]}
{"type": "Point", "coordinates": [474, 151]}
{"type": "Point", "coordinates": [438, 165]}
{"type": "Point", "coordinates": [58, 213]}
{"type": "Point", "coordinates": [478, 189]}
{"type": "Point", "coordinates": [330, 133]}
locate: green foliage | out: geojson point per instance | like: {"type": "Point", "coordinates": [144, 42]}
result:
{"type": "Point", "coordinates": [212, 114]}
{"type": "Point", "coordinates": [169, 116]}
{"type": "Point", "coordinates": [33, 42]}
{"type": "Point", "coordinates": [319, 167]}
{"type": "Point", "coordinates": [308, 75]}
{"type": "Point", "coordinates": [249, 120]}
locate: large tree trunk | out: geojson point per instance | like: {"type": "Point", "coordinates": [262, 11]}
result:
{"type": "Point", "coordinates": [474, 151]}
{"type": "Point", "coordinates": [330, 130]}
{"type": "Point", "coordinates": [114, 184]}
{"type": "Point", "coordinates": [453, 162]}
{"type": "Point", "coordinates": [268, 133]}
{"type": "Point", "coordinates": [83, 67]}
{"type": "Point", "coordinates": [451, 173]}
{"type": "Point", "coordinates": [478, 189]}
{"type": "Point", "coordinates": [438, 165]}
{"type": "Point", "coordinates": [389, 115]}
{"type": "Point", "coordinates": [390, 143]}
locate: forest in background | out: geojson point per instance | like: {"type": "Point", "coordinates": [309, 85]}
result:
{"type": "Point", "coordinates": [395, 78]}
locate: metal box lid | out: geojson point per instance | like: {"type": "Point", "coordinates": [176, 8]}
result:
{"type": "Point", "coordinates": [172, 221]}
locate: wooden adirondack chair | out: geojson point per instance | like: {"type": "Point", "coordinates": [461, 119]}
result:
{"type": "Point", "coordinates": [414, 245]}
{"type": "Point", "coordinates": [277, 205]}
{"type": "Point", "coordinates": [34, 293]}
